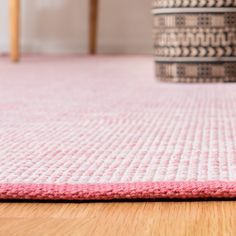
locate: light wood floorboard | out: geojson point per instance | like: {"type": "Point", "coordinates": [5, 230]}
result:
{"type": "Point", "coordinates": [140, 218]}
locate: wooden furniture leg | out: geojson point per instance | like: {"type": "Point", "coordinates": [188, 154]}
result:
{"type": "Point", "coordinates": [93, 22]}
{"type": "Point", "coordinates": [15, 29]}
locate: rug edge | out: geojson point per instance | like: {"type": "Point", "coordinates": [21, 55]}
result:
{"type": "Point", "coordinates": [81, 192]}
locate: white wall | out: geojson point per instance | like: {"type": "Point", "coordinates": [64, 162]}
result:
{"type": "Point", "coordinates": [61, 26]}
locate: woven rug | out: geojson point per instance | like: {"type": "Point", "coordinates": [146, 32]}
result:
{"type": "Point", "coordinates": [102, 128]}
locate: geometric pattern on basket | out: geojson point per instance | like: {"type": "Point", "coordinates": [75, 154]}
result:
{"type": "Point", "coordinates": [206, 38]}
{"type": "Point", "coordinates": [192, 72]}
{"type": "Point", "coordinates": [194, 3]}
{"type": "Point", "coordinates": [200, 35]}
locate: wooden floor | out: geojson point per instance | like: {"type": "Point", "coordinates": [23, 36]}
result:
{"type": "Point", "coordinates": [140, 218]}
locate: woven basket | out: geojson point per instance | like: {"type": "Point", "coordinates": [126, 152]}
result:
{"type": "Point", "coordinates": [195, 40]}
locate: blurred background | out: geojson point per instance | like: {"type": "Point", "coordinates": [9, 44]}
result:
{"type": "Point", "coordinates": [61, 26]}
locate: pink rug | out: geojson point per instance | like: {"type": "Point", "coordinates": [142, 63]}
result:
{"type": "Point", "coordinates": [101, 128]}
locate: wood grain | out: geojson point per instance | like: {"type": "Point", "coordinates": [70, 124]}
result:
{"type": "Point", "coordinates": [15, 29]}
{"type": "Point", "coordinates": [148, 218]}
{"type": "Point", "coordinates": [93, 26]}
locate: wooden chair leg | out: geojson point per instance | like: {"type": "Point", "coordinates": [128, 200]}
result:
{"type": "Point", "coordinates": [15, 29]}
{"type": "Point", "coordinates": [93, 22]}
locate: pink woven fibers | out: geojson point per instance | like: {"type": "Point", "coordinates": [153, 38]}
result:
{"type": "Point", "coordinates": [102, 128]}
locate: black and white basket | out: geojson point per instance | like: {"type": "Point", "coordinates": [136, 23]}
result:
{"type": "Point", "coordinates": [195, 40]}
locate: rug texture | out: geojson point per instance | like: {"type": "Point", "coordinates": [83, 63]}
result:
{"type": "Point", "coordinates": [102, 128]}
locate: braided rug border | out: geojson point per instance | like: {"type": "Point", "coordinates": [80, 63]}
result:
{"type": "Point", "coordinates": [82, 192]}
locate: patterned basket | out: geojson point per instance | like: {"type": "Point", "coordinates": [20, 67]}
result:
{"type": "Point", "coordinates": [195, 40]}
